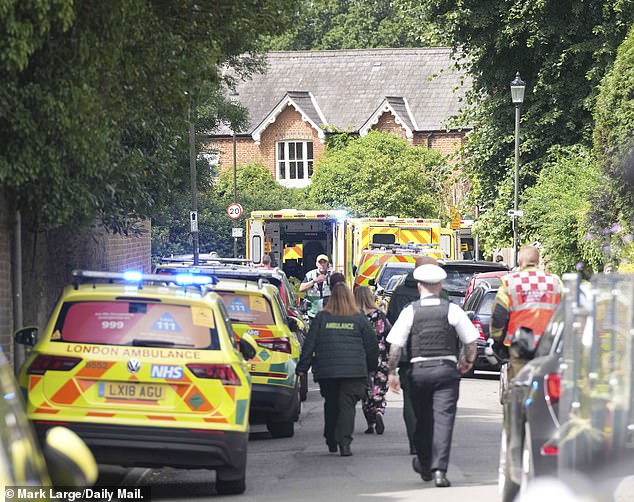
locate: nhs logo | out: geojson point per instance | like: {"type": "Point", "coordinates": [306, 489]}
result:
{"type": "Point", "coordinates": [167, 372]}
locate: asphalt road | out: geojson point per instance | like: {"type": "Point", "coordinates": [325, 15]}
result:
{"type": "Point", "coordinates": [300, 468]}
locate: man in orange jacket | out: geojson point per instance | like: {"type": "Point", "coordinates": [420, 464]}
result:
{"type": "Point", "coordinates": [527, 298]}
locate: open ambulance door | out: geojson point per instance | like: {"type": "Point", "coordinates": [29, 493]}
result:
{"type": "Point", "coordinates": [256, 241]}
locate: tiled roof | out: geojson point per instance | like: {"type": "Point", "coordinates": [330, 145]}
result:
{"type": "Point", "coordinates": [349, 85]}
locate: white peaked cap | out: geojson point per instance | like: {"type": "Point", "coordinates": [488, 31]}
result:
{"type": "Point", "coordinates": [429, 274]}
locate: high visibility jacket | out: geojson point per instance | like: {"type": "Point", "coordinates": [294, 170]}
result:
{"type": "Point", "coordinates": [533, 296]}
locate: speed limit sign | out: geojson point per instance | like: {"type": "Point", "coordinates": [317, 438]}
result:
{"type": "Point", "coordinates": [234, 211]}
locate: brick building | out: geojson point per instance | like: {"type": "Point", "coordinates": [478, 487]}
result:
{"type": "Point", "coordinates": [304, 96]}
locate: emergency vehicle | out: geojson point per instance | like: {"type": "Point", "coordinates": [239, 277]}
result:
{"type": "Point", "coordinates": [294, 238]}
{"type": "Point", "coordinates": [146, 369]}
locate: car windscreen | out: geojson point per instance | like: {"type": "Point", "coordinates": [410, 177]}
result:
{"type": "Point", "coordinates": [246, 308]}
{"type": "Point", "coordinates": [135, 323]}
{"type": "Point", "coordinates": [388, 272]}
{"type": "Point", "coordinates": [457, 280]}
{"type": "Point", "coordinates": [494, 282]}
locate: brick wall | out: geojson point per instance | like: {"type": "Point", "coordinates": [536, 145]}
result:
{"type": "Point", "coordinates": [387, 123]}
{"type": "Point", "coordinates": [6, 290]}
{"type": "Point", "coordinates": [49, 258]}
{"type": "Point", "coordinates": [446, 142]}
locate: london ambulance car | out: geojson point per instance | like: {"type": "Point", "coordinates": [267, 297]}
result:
{"type": "Point", "coordinates": [146, 370]}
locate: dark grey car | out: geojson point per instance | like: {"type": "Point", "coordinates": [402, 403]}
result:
{"type": "Point", "coordinates": [479, 304]}
{"type": "Point", "coordinates": [528, 445]}
{"type": "Point", "coordinates": [459, 274]}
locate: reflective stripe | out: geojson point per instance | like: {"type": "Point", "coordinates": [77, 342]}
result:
{"type": "Point", "coordinates": [535, 306]}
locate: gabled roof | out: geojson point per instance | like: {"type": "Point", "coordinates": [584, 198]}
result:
{"type": "Point", "coordinates": [398, 107]}
{"type": "Point", "coordinates": [345, 87]}
{"type": "Point", "coordinates": [305, 104]}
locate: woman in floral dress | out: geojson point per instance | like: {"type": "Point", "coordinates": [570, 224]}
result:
{"type": "Point", "coordinates": [374, 401]}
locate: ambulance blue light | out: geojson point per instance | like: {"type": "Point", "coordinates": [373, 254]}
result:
{"type": "Point", "coordinates": [133, 276]}
{"type": "Point", "coordinates": [184, 279]}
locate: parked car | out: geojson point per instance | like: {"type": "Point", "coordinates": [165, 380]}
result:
{"type": "Point", "coordinates": [384, 295]}
{"type": "Point", "coordinates": [478, 307]}
{"type": "Point", "coordinates": [146, 369]}
{"type": "Point", "coordinates": [493, 279]}
{"type": "Point", "coordinates": [528, 446]}
{"type": "Point", "coordinates": [460, 272]}
{"type": "Point", "coordinates": [257, 310]}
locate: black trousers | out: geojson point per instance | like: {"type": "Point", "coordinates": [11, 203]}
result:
{"type": "Point", "coordinates": [409, 417]}
{"type": "Point", "coordinates": [341, 396]}
{"type": "Point", "coordinates": [434, 391]}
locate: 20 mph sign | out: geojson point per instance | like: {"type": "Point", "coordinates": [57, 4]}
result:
{"type": "Point", "coordinates": [234, 211]}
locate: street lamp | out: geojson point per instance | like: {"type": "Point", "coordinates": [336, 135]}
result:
{"type": "Point", "coordinates": [192, 172]}
{"type": "Point", "coordinates": [233, 97]}
{"type": "Point", "coordinates": [517, 96]}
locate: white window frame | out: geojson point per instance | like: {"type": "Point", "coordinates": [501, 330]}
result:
{"type": "Point", "coordinates": [305, 161]}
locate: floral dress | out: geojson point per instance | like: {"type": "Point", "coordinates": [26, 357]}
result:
{"type": "Point", "coordinates": [374, 401]}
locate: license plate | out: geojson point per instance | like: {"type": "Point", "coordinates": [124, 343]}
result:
{"type": "Point", "coordinates": [127, 390]}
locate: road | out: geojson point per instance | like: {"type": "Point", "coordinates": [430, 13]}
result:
{"type": "Point", "coordinates": [300, 468]}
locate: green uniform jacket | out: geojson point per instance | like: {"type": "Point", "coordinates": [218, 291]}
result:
{"type": "Point", "coordinates": [339, 347]}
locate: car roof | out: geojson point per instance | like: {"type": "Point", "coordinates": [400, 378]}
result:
{"type": "Point", "coordinates": [472, 264]}
{"type": "Point", "coordinates": [399, 264]}
{"type": "Point", "coordinates": [247, 286]}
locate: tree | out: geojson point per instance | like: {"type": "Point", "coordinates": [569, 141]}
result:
{"type": "Point", "coordinates": [557, 207]}
{"type": "Point", "coordinates": [256, 190]}
{"type": "Point", "coordinates": [562, 49]}
{"type": "Point", "coordinates": [382, 175]}
{"type": "Point", "coordinates": [96, 98]}
{"type": "Point", "coordinates": [348, 24]}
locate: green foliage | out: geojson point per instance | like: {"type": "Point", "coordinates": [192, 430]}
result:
{"type": "Point", "coordinates": [256, 190]}
{"type": "Point", "coordinates": [562, 49]}
{"type": "Point", "coordinates": [349, 24]}
{"type": "Point", "coordinates": [382, 175]}
{"type": "Point", "coordinates": [556, 210]}
{"type": "Point", "coordinates": [96, 96]}
{"type": "Point", "coordinates": [614, 116]}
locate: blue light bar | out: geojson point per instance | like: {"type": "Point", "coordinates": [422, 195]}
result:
{"type": "Point", "coordinates": [133, 276]}
{"type": "Point", "coordinates": [184, 279]}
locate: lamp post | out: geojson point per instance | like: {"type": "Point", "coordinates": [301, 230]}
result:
{"type": "Point", "coordinates": [194, 184]}
{"type": "Point", "coordinates": [517, 96]}
{"type": "Point", "coordinates": [233, 96]}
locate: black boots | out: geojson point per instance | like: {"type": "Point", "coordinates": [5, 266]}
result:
{"type": "Point", "coordinates": [344, 450]}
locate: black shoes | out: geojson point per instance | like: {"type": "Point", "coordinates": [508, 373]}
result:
{"type": "Point", "coordinates": [380, 426]}
{"type": "Point", "coordinates": [425, 474]}
{"type": "Point", "coordinates": [440, 479]}
{"type": "Point", "coordinates": [369, 430]}
{"type": "Point", "coordinates": [344, 450]}
{"type": "Point", "coordinates": [332, 448]}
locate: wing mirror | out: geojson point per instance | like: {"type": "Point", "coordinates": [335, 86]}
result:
{"type": "Point", "coordinates": [68, 459]}
{"type": "Point", "coordinates": [248, 346]}
{"type": "Point", "coordinates": [26, 336]}
{"type": "Point", "coordinates": [523, 343]}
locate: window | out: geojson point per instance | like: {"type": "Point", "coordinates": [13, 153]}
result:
{"type": "Point", "coordinates": [294, 162]}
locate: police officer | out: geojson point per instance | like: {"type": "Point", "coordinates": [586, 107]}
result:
{"type": "Point", "coordinates": [526, 298]}
{"type": "Point", "coordinates": [316, 284]}
{"type": "Point", "coordinates": [435, 327]}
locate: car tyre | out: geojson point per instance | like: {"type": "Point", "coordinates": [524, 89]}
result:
{"type": "Point", "coordinates": [228, 484]}
{"type": "Point", "coordinates": [507, 489]}
{"type": "Point", "coordinates": [282, 429]}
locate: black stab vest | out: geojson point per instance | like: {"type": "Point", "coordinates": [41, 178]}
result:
{"type": "Point", "coordinates": [431, 334]}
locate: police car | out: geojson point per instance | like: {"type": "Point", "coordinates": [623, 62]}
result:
{"type": "Point", "coordinates": [256, 309]}
{"type": "Point", "coordinates": [147, 371]}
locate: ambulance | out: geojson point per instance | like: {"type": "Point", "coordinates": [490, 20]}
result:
{"type": "Point", "coordinates": [294, 238]}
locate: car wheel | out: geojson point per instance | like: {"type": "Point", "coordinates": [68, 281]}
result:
{"type": "Point", "coordinates": [303, 388]}
{"type": "Point", "coordinates": [282, 429]}
{"type": "Point", "coordinates": [528, 466]}
{"type": "Point", "coordinates": [507, 490]}
{"type": "Point", "coordinates": [228, 484]}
